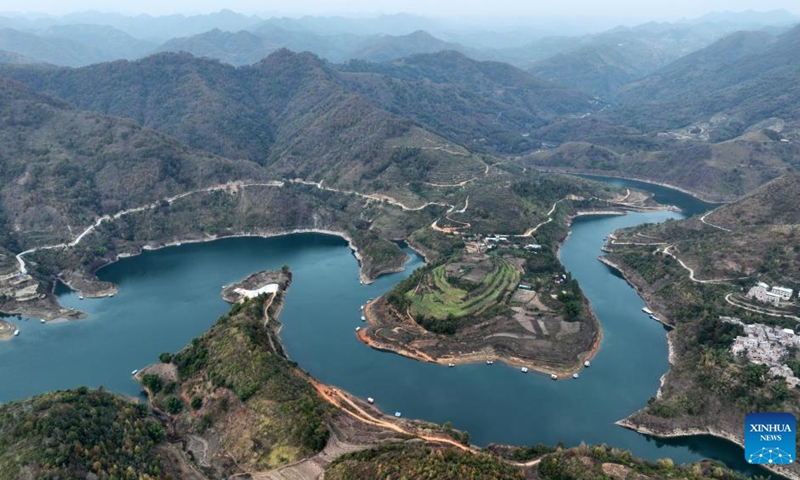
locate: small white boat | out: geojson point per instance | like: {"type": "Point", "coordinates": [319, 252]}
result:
{"type": "Point", "coordinates": [358, 328]}
{"type": "Point", "coordinates": [647, 310]}
{"type": "Point", "coordinates": [41, 320]}
{"type": "Point", "coordinates": [80, 297]}
{"type": "Point", "coordinates": [575, 375]}
{"type": "Point", "coordinates": [370, 400]}
{"type": "Point", "coordinates": [524, 369]}
{"type": "Point", "coordinates": [111, 296]}
{"type": "Point", "coordinates": [362, 307]}
{"type": "Point", "coordinates": [135, 372]}
{"type": "Point", "coordinates": [16, 332]}
{"type": "Point", "coordinates": [489, 362]}
{"type": "Point", "coordinates": [363, 318]}
{"type": "Point", "coordinates": [553, 376]}
{"type": "Point", "coordinates": [587, 364]}
{"type": "Point", "coordinates": [398, 414]}
{"type": "Point", "coordinates": [451, 365]}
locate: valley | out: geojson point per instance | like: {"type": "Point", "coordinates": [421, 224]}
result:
{"type": "Point", "coordinates": [476, 177]}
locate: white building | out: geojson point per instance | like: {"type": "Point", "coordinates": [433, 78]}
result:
{"type": "Point", "coordinates": [785, 293]}
{"type": "Point", "coordinates": [761, 293]}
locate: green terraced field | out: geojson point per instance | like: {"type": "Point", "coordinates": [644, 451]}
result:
{"type": "Point", "coordinates": [437, 298]}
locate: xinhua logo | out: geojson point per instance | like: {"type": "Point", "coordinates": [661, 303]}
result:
{"type": "Point", "coordinates": [769, 438]}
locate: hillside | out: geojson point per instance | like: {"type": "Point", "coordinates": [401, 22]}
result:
{"type": "Point", "coordinates": [73, 45]}
{"type": "Point", "coordinates": [602, 63]}
{"type": "Point", "coordinates": [83, 434]}
{"type": "Point", "coordinates": [694, 274]}
{"type": "Point", "coordinates": [15, 58]}
{"type": "Point", "coordinates": [483, 105]}
{"type": "Point", "coordinates": [396, 461]}
{"type": "Point", "coordinates": [755, 237]}
{"type": "Point", "coordinates": [743, 80]}
{"type": "Point", "coordinates": [391, 47]}
{"type": "Point", "coordinates": [717, 172]}
{"type": "Point", "coordinates": [63, 168]}
{"type": "Point", "coordinates": [289, 112]}
{"type": "Point", "coordinates": [235, 48]}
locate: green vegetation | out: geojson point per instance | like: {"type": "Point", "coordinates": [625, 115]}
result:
{"type": "Point", "coordinates": [589, 463]}
{"type": "Point", "coordinates": [402, 461]}
{"type": "Point", "coordinates": [405, 461]}
{"type": "Point", "coordinates": [77, 434]}
{"type": "Point", "coordinates": [437, 298]}
{"type": "Point", "coordinates": [234, 371]}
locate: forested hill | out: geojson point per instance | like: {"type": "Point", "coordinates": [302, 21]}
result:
{"type": "Point", "coordinates": [483, 105]}
{"type": "Point", "coordinates": [745, 78]}
{"type": "Point", "coordinates": [62, 168]}
{"type": "Point", "coordinates": [290, 112]}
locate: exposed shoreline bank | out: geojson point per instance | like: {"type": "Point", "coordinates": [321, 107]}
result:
{"type": "Point", "coordinates": [108, 291]}
{"type": "Point", "coordinates": [696, 195]}
{"type": "Point", "coordinates": [693, 432]}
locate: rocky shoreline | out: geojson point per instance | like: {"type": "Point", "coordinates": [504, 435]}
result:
{"type": "Point", "coordinates": [690, 432]}
{"type": "Point", "coordinates": [697, 195]}
{"type": "Point", "coordinates": [94, 288]}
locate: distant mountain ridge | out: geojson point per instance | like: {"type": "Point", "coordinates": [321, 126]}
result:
{"type": "Point", "coordinates": [746, 77]}
{"type": "Point", "coordinates": [291, 112]}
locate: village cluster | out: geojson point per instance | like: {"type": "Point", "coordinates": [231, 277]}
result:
{"type": "Point", "coordinates": [773, 296]}
{"type": "Point", "coordinates": [480, 244]}
{"type": "Point", "coordinates": [766, 345]}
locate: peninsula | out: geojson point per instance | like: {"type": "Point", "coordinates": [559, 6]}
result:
{"type": "Point", "coordinates": [732, 348]}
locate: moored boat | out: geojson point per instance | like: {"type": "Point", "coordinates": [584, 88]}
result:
{"type": "Point", "coordinates": [575, 375]}
{"type": "Point", "coordinates": [553, 376]}
{"type": "Point", "coordinates": [587, 364]}
{"type": "Point", "coordinates": [524, 369]}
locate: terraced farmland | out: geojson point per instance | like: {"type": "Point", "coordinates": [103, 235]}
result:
{"type": "Point", "coordinates": [437, 298]}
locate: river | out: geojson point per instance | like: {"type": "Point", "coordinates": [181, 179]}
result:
{"type": "Point", "coordinates": [169, 296]}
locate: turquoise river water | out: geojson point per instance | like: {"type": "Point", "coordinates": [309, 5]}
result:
{"type": "Point", "coordinates": [169, 296]}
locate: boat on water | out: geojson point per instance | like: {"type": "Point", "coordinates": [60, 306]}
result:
{"type": "Point", "coordinates": [587, 364]}
{"type": "Point", "coordinates": [451, 365]}
{"type": "Point", "coordinates": [41, 320]}
{"type": "Point", "coordinates": [358, 328]}
{"type": "Point", "coordinates": [489, 362]}
{"type": "Point", "coordinates": [524, 369]}
{"type": "Point", "coordinates": [553, 376]}
{"type": "Point", "coordinates": [575, 375]}
{"type": "Point", "coordinates": [398, 414]}
{"type": "Point", "coordinates": [370, 400]}
{"type": "Point", "coordinates": [16, 332]}
{"type": "Point", "coordinates": [363, 318]}
{"type": "Point", "coordinates": [135, 371]}
{"type": "Point", "coordinates": [362, 307]}
{"type": "Point", "coordinates": [80, 297]}
{"type": "Point", "coordinates": [647, 310]}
